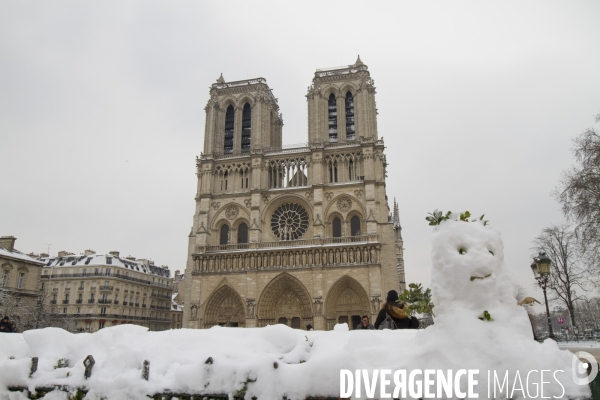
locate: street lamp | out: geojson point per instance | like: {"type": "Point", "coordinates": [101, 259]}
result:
{"type": "Point", "coordinates": [541, 271]}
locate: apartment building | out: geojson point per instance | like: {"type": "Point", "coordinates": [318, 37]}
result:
{"type": "Point", "coordinates": [102, 290]}
{"type": "Point", "coordinates": [19, 278]}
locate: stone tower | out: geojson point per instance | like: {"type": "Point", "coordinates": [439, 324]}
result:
{"type": "Point", "coordinates": [298, 235]}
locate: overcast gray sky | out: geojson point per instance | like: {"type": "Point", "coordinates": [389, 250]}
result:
{"type": "Point", "coordinates": [101, 110]}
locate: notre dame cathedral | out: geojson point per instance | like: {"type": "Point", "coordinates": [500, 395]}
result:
{"type": "Point", "coordinates": [294, 235]}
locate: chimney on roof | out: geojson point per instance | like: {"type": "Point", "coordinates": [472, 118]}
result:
{"type": "Point", "coordinates": [89, 252]}
{"type": "Point", "coordinates": [44, 255]}
{"type": "Point", "coordinates": [8, 242]}
{"type": "Point", "coordinates": [164, 266]}
{"type": "Point", "coordinates": [150, 262]}
{"type": "Point", "coordinates": [130, 258]}
{"type": "Point", "coordinates": [177, 272]}
{"type": "Point", "coordinates": [114, 253]}
{"type": "Point", "coordinates": [64, 253]}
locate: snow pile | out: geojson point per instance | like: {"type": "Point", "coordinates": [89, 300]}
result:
{"type": "Point", "coordinates": [469, 278]}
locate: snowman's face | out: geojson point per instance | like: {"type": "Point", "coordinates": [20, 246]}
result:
{"type": "Point", "coordinates": [468, 264]}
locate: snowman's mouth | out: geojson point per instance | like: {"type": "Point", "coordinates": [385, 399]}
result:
{"type": "Point", "coordinates": [480, 277]}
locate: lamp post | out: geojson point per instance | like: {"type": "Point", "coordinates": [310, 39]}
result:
{"type": "Point", "coordinates": [541, 271]}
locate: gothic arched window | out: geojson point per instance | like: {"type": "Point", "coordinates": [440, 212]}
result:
{"type": "Point", "coordinates": [224, 234]}
{"type": "Point", "coordinates": [225, 181]}
{"type": "Point", "coordinates": [333, 171]}
{"type": "Point", "coordinates": [242, 233]}
{"type": "Point", "coordinates": [350, 117]}
{"type": "Point", "coordinates": [355, 226]}
{"type": "Point", "coordinates": [246, 127]}
{"type": "Point", "coordinates": [332, 112]}
{"type": "Point", "coordinates": [229, 118]}
{"type": "Point", "coordinates": [336, 228]}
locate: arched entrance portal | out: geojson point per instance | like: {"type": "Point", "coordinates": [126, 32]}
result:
{"type": "Point", "coordinates": [346, 302]}
{"type": "Point", "coordinates": [285, 300]}
{"type": "Point", "coordinates": [225, 307]}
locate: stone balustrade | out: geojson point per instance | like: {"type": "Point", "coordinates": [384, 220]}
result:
{"type": "Point", "coordinates": [313, 253]}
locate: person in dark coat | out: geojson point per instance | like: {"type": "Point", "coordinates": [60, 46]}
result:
{"type": "Point", "coordinates": [364, 323]}
{"type": "Point", "coordinates": [5, 325]}
{"type": "Point", "coordinates": [397, 312]}
{"type": "Point", "coordinates": [13, 327]}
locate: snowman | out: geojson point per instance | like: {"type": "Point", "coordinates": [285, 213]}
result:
{"type": "Point", "coordinates": [470, 281]}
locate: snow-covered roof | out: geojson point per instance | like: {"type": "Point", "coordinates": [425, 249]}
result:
{"type": "Point", "coordinates": [16, 254]}
{"type": "Point", "coordinates": [104, 260]}
{"type": "Point", "coordinates": [174, 305]}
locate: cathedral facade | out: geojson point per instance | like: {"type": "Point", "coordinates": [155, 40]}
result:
{"type": "Point", "coordinates": [300, 235]}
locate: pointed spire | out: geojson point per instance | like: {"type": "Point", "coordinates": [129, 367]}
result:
{"type": "Point", "coordinates": [358, 62]}
{"type": "Point", "coordinates": [396, 217]}
{"type": "Point", "coordinates": [221, 80]}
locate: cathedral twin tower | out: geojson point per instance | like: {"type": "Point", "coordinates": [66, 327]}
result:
{"type": "Point", "coordinates": [297, 235]}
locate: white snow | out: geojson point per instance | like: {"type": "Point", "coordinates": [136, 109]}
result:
{"type": "Point", "coordinates": [581, 344]}
{"type": "Point", "coordinates": [16, 254]}
{"type": "Point", "coordinates": [309, 363]}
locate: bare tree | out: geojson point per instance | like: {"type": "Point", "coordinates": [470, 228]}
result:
{"type": "Point", "coordinates": [560, 243]}
{"type": "Point", "coordinates": [9, 304]}
{"type": "Point", "coordinates": [33, 314]}
{"type": "Point", "coordinates": [588, 314]}
{"type": "Point", "coordinates": [579, 192]}
{"type": "Point", "coordinates": [43, 314]}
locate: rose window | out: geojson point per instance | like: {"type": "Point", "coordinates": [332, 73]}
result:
{"type": "Point", "coordinates": [289, 221]}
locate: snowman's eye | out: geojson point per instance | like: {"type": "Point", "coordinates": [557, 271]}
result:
{"type": "Point", "coordinates": [491, 252]}
{"type": "Point", "coordinates": [462, 251]}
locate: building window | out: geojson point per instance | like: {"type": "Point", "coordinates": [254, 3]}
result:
{"type": "Point", "coordinates": [224, 236]}
{"type": "Point", "coordinates": [332, 171]}
{"type": "Point", "coordinates": [242, 233]}
{"type": "Point", "coordinates": [101, 325]}
{"type": "Point", "coordinates": [97, 270]}
{"type": "Point", "coordinates": [21, 280]}
{"type": "Point", "coordinates": [43, 285]}
{"type": "Point", "coordinates": [4, 278]}
{"type": "Point", "coordinates": [350, 131]}
{"type": "Point", "coordinates": [64, 310]}
{"type": "Point", "coordinates": [332, 113]}
{"type": "Point", "coordinates": [336, 228]}
{"type": "Point", "coordinates": [229, 122]}
{"type": "Point", "coordinates": [355, 226]}
{"type": "Point", "coordinates": [225, 181]}
{"type": "Point", "coordinates": [107, 272]}
{"type": "Point", "coordinates": [351, 171]}
{"type": "Point", "coordinates": [103, 310]}
{"type": "Point", "coordinates": [246, 127]}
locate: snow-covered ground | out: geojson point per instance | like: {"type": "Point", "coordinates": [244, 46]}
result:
{"type": "Point", "coordinates": [581, 344]}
